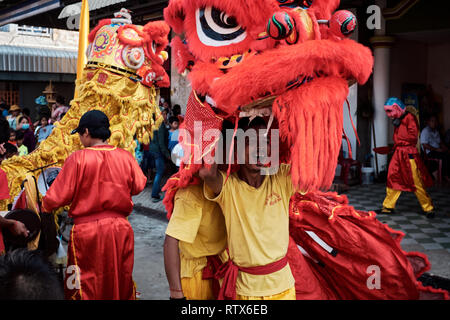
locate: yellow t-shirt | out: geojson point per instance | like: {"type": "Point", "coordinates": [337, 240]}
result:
{"type": "Point", "coordinates": [257, 221]}
{"type": "Point", "coordinates": [199, 226]}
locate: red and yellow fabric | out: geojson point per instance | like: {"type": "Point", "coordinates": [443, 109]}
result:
{"type": "Point", "coordinates": [400, 173]}
{"type": "Point", "coordinates": [257, 231]}
{"type": "Point", "coordinates": [4, 190]}
{"type": "Point", "coordinates": [199, 226]}
{"type": "Point", "coordinates": [98, 182]}
{"type": "Point", "coordinates": [28, 199]}
{"type": "Point", "coordinates": [229, 271]}
{"type": "Point", "coordinates": [4, 194]}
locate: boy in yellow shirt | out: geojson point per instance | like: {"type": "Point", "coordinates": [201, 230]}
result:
{"type": "Point", "coordinates": [256, 211]}
{"type": "Point", "coordinates": [194, 236]}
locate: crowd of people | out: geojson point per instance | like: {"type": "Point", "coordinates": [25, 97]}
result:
{"type": "Point", "coordinates": [161, 157]}
{"type": "Point", "coordinates": [20, 135]}
{"type": "Point", "coordinates": [436, 147]}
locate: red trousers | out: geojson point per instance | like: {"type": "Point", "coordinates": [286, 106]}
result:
{"type": "Point", "coordinates": [100, 260]}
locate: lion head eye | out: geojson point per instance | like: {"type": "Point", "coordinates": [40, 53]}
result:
{"type": "Point", "coordinates": [216, 28]}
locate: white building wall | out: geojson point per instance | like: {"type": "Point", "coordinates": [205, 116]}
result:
{"type": "Point", "coordinates": [56, 39]}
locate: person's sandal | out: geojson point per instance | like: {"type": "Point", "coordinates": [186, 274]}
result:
{"type": "Point", "coordinates": [385, 211]}
{"type": "Point", "coordinates": [430, 214]}
{"type": "Point", "coordinates": [155, 200]}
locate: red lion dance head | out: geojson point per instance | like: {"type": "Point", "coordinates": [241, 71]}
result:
{"type": "Point", "coordinates": [291, 55]}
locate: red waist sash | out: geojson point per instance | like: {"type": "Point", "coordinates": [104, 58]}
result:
{"type": "Point", "coordinates": [97, 216]}
{"type": "Point", "coordinates": [212, 265]}
{"type": "Point", "coordinates": [229, 272]}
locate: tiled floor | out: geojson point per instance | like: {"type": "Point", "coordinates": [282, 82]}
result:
{"type": "Point", "coordinates": [431, 234]}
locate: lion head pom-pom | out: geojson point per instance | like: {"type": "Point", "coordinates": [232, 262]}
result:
{"type": "Point", "coordinates": [280, 25]}
{"type": "Point", "coordinates": [342, 23]}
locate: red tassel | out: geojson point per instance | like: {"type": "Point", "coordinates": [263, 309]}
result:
{"type": "Point", "coordinates": [236, 122]}
{"type": "Point", "coordinates": [313, 130]}
{"type": "Point", "coordinates": [350, 155]}
{"type": "Point", "coordinates": [353, 125]}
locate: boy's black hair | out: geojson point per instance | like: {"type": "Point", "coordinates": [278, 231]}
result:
{"type": "Point", "coordinates": [430, 116]}
{"type": "Point", "coordinates": [3, 105]}
{"type": "Point", "coordinates": [4, 130]}
{"type": "Point", "coordinates": [19, 135]}
{"type": "Point", "coordinates": [60, 100]}
{"type": "Point", "coordinates": [26, 111]}
{"type": "Point", "coordinates": [176, 110]}
{"type": "Point", "coordinates": [44, 111]}
{"type": "Point", "coordinates": [10, 148]}
{"type": "Point", "coordinates": [173, 119]}
{"type": "Point", "coordinates": [24, 275]}
{"type": "Point", "coordinates": [21, 118]}
{"type": "Point", "coordinates": [245, 123]}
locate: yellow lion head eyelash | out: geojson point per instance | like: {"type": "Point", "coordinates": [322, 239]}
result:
{"type": "Point", "coordinates": [229, 62]}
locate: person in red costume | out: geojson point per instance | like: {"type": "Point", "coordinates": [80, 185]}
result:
{"type": "Point", "coordinates": [98, 181]}
{"type": "Point", "coordinates": [407, 171]}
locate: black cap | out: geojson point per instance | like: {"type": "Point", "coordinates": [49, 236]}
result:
{"type": "Point", "coordinates": [93, 119]}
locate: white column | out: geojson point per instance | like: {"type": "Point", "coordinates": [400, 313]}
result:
{"type": "Point", "coordinates": [347, 123]}
{"type": "Point", "coordinates": [381, 50]}
{"type": "Point", "coordinates": [180, 87]}
{"type": "Point", "coordinates": [381, 79]}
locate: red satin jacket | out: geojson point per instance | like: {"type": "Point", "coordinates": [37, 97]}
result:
{"type": "Point", "coordinates": [96, 179]}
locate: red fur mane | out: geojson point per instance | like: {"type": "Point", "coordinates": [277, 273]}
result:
{"type": "Point", "coordinates": [308, 79]}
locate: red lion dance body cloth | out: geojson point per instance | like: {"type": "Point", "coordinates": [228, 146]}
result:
{"type": "Point", "coordinates": [295, 58]}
